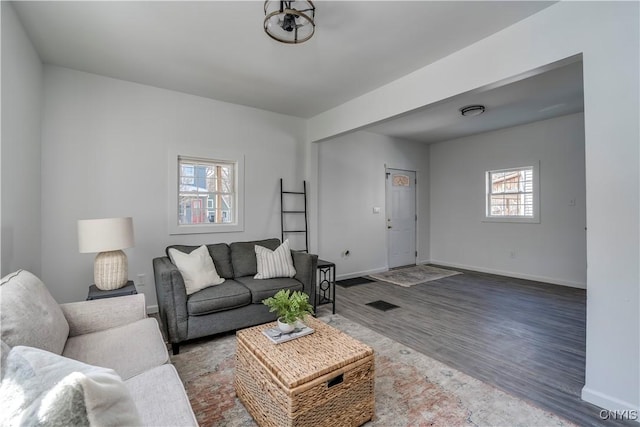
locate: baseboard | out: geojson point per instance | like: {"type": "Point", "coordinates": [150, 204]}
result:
{"type": "Point", "coordinates": [616, 406]}
{"type": "Point", "coordinates": [360, 273]}
{"type": "Point", "coordinates": [152, 309]}
{"type": "Point", "coordinates": [543, 279]}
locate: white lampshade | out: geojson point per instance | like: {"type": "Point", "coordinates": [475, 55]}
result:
{"type": "Point", "coordinates": [107, 234]}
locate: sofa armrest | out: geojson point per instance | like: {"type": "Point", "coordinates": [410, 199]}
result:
{"type": "Point", "coordinates": [172, 298]}
{"type": "Point", "coordinates": [97, 315]}
{"type": "Point", "coordinates": [305, 265]}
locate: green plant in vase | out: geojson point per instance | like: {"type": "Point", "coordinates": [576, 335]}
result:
{"type": "Point", "coordinates": [289, 307]}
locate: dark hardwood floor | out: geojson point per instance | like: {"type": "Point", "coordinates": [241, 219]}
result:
{"type": "Point", "coordinates": [526, 338]}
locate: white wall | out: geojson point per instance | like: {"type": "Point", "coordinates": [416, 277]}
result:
{"type": "Point", "coordinates": [606, 34]}
{"type": "Point", "coordinates": [351, 183]}
{"type": "Point", "coordinates": [21, 115]}
{"type": "Point", "coordinates": [105, 154]}
{"type": "Point", "coordinates": [553, 250]}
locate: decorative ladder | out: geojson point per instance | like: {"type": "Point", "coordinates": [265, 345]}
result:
{"type": "Point", "coordinates": [284, 212]}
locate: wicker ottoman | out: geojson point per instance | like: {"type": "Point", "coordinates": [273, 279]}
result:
{"type": "Point", "coordinates": [322, 379]}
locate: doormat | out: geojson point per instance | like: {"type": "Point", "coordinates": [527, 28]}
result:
{"type": "Point", "coordinates": [382, 305]}
{"type": "Point", "coordinates": [414, 275]}
{"type": "Point", "coordinates": [347, 283]}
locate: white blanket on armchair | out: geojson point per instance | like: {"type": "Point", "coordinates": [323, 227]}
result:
{"type": "Point", "coordinates": [43, 388]}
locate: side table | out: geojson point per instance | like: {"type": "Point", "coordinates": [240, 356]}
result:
{"type": "Point", "coordinates": [325, 292]}
{"type": "Point", "coordinates": [95, 293]}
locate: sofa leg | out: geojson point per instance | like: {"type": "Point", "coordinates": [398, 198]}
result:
{"type": "Point", "coordinates": [175, 348]}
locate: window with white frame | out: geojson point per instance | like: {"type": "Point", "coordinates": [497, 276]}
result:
{"type": "Point", "coordinates": [207, 191]}
{"type": "Point", "coordinates": [512, 194]}
{"type": "Point", "coordinates": [206, 195]}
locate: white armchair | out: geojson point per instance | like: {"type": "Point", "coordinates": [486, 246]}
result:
{"type": "Point", "coordinates": [112, 333]}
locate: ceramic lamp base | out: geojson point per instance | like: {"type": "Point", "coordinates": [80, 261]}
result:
{"type": "Point", "coordinates": [110, 270]}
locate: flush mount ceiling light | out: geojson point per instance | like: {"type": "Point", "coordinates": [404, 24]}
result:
{"type": "Point", "coordinates": [472, 110]}
{"type": "Point", "coordinates": [289, 21]}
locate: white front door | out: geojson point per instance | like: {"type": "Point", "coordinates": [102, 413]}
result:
{"type": "Point", "coordinates": [401, 217]}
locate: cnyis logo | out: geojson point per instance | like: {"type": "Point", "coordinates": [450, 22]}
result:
{"type": "Point", "coordinates": [627, 414]}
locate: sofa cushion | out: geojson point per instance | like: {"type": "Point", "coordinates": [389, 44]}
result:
{"type": "Point", "coordinates": [160, 398]}
{"type": "Point", "coordinates": [197, 269]}
{"type": "Point", "coordinates": [243, 256]}
{"type": "Point", "coordinates": [265, 288]}
{"type": "Point", "coordinates": [42, 388]}
{"type": "Point", "coordinates": [220, 253]}
{"type": "Point", "coordinates": [29, 314]}
{"type": "Point", "coordinates": [226, 296]}
{"type": "Point", "coordinates": [129, 350]}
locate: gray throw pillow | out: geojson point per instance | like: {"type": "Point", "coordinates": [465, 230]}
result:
{"type": "Point", "coordinates": [243, 255]}
{"type": "Point", "coordinates": [29, 314]}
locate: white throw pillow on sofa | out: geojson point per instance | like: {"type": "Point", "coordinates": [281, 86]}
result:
{"type": "Point", "coordinates": [41, 388]}
{"type": "Point", "coordinates": [197, 269]}
{"type": "Point", "coordinates": [276, 263]}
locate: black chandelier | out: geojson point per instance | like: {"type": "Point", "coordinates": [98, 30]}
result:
{"type": "Point", "coordinates": [289, 21]}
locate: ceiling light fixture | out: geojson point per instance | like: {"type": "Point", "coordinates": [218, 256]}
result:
{"type": "Point", "coordinates": [289, 21]}
{"type": "Point", "coordinates": [472, 110]}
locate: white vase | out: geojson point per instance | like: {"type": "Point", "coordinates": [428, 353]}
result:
{"type": "Point", "coordinates": [285, 328]}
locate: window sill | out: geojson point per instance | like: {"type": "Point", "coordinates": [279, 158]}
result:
{"type": "Point", "coordinates": [512, 220]}
{"type": "Point", "coordinates": [206, 228]}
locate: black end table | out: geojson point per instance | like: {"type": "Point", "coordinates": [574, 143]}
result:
{"type": "Point", "coordinates": [95, 293]}
{"type": "Point", "coordinates": [325, 292]}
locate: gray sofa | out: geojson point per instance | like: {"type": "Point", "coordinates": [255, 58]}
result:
{"type": "Point", "coordinates": [121, 350]}
{"type": "Point", "coordinates": [234, 304]}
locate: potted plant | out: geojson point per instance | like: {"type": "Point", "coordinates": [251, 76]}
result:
{"type": "Point", "coordinates": [290, 307]}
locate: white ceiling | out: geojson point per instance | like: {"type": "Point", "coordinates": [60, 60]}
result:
{"type": "Point", "coordinates": [218, 49]}
{"type": "Point", "coordinates": [552, 93]}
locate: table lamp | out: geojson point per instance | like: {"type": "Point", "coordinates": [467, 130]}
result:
{"type": "Point", "coordinates": [107, 236]}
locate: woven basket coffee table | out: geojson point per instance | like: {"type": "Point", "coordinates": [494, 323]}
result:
{"type": "Point", "coordinates": [322, 379]}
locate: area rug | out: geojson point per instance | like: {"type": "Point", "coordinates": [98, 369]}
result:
{"type": "Point", "coordinates": [410, 276]}
{"type": "Point", "coordinates": [411, 389]}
